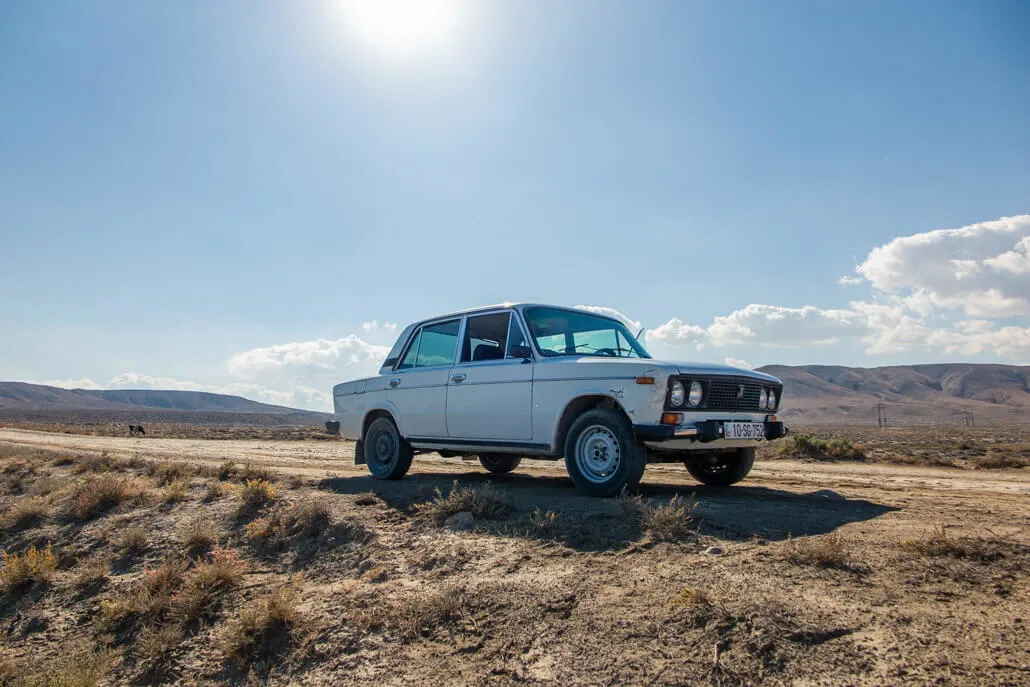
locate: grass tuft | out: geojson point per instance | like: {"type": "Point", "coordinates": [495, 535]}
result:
{"type": "Point", "coordinates": [829, 551]}
{"type": "Point", "coordinates": [267, 627]}
{"type": "Point", "coordinates": [256, 494]}
{"type": "Point", "coordinates": [17, 571]}
{"type": "Point", "coordinates": [803, 446]}
{"type": "Point", "coordinates": [484, 502]}
{"type": "Point", "coordinates": [94, 496]}
{"type": "Point", "coordinates": [132, 540]}
{"type": "Point", "coordinates": [672, 521]}
{"type": "Point", "coordinates": [26, 512]}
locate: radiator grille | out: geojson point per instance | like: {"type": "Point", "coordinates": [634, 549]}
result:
{"type": "Point", "coordinates": [733, 394]}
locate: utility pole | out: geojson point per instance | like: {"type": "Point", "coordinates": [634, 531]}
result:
{"type": "Point", "coordinates": [970, 420]}
{"type": "Point", "coordinates": [881, 416]}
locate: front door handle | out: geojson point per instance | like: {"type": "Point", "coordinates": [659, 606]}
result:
{"type": "Point", "coordinates": [458, 378]}
{"type": "Point", "coordinates": [394, 383]}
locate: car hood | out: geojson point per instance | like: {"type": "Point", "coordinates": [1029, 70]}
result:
{"type": "Point", "coordinates": [692, 368]}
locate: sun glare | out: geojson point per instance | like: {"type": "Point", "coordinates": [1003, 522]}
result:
{"type": "Point", "coordinates": [403, 27]}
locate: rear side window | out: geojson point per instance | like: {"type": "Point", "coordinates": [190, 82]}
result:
{"type": "Point", "coordinates": [438, 344]}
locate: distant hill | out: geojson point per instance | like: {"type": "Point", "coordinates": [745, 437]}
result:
{"type": "Point", "coordinates": [939, 393]}
{"type": "Point", "coordinates": [37, 401]}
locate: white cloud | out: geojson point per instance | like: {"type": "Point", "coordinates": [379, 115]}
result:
{"type": "Point", "coordinates": [773, 325]}
{"type": "Point", "coordinates": [633, 325]}
{"type": "Point", "coordinates": [737, 362]}
{"type": "Point", "coordinates": [84, 383]}
{"type": "Point", "coordinates": [981, 269]}
{"type": "Point", "coordinates": [850, 281]}
{"type": "Point", "coordinates": [676, 332]}
{"type": "Point", "coordinates": [375, 327]}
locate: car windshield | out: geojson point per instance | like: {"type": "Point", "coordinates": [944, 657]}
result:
{"type": "Point", "coordinates": [568, 332]}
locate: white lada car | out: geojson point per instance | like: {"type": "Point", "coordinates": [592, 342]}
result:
{"type": "Point", "coordinates": [509, 381]}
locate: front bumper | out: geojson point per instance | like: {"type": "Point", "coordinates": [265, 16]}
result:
{"type": "Point", "coordinates": [703, 432]}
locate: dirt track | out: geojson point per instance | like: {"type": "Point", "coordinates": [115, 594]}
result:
{"type": "Point", "coordinates": [779, 497]}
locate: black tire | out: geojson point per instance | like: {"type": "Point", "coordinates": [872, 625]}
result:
{"type": "Point", "coordinates": [722, 469]}
{"type": "Point", "coordinates": [602, 455]}
{"type": "Point", "coordinates": [387, 455]}
{"type": "Point", "coordinates": [499, 463]}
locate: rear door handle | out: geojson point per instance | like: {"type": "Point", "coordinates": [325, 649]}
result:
{"type": "Point", "coordinates": [458, 378]}
{"type": "Point", "coordinates": [394, 383]}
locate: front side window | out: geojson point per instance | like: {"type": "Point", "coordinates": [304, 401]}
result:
{"type": "Point", "coordinates": [568, 332]}
{"type": "Point", "coordinates": [485, 336]}
{"type": "Point", "coordinates": [409, 356]}
{"type": "Point", "coordinates": [438, 344]}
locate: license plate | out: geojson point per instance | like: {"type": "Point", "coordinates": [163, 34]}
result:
{"type": "Point", "coordinates": [743, 430]}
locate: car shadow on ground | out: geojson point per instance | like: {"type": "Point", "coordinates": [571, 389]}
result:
{"type": "Point", "coordinates": [586, 523]}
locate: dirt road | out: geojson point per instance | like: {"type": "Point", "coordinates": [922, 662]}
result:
{"type": "Point", "coordinates": [780, 497]}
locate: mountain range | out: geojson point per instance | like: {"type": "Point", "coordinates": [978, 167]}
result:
{"type": "Point", "coordinates": [946, 393]}
{"type": "Point", "coordinates": [912, 394]}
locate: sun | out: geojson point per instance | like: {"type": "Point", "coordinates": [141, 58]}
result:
{"type": "Point", "coordinates": [403, 27]}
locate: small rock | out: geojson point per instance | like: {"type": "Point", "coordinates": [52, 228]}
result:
{"type": "Point", "coordinates": [713, 551]}
{"type": "Point", "coordinates": [829, 495]}
{"type": "Point", "coordinates": [460, 522]}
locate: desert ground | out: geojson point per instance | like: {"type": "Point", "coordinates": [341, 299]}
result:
{"type": "Point", "coordinates": [205, 561]}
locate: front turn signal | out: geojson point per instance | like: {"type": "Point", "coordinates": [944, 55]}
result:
{"type": "Point", "coordinates": [645, 380]}
{"type": "Point", "coordinates": [671, 418]}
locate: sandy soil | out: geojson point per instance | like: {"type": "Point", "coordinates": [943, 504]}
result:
{"type": "Point", "coordinates": [598, 601]}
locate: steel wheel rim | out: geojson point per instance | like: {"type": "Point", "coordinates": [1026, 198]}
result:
{"type": "Point", "coordinates": [716, 466]}
{"type": "Point", "coordinates": [383, 448]}
{"type": "Point", "coordinates": [598, 454]}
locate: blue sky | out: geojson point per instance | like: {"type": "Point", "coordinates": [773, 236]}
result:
{"type": "Point", "coordinates": [221, 195]}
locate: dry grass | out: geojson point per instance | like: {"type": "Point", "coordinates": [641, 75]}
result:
{"type": "Point", "coordinates": [214, 491]}
{"type": "Point", "coordinates": [999, 460]}
{"type": "Point", "coordinates": [26, 512]}
{"type": "Point", "coordinates": [91, 573]}
{"type": "Point", "coordinates": [267, 627]}
{"type": "Point", "coordinates": [366, 498]}
{"type": "Point", "coordinates": [74, 669]}
{"type": "Point", "coordinates": [938, 544]}
{"type": "Point", "coordinates": [806, 447]}
{"type": "Point", "coordinates": [543, 523]}
{"type": "Point", "coordinates": [176, 491]}
{"type": "Point", "coordinates": [425, 612]}
{"type": "Point", "coordinates": [255, 472]}
{"type": "Point", "coordinates": [672, 521]}
{"type": "Point", "coordinates": [93, 496]}
{"type": "Point", "coordinates": [132, 539]}
{"type": "Point", "coordinates": [17, 571]}
{"type": "Point", "coordinates": [200, 534]}
{"type": "Point", "coordinates": [155, 643]}
{"type": "Point", "coordinates": [483, 502]}
{"type": "Point", "coordinates": [828, 551]}
{"type": "Point", "coordinates": [255, 494]}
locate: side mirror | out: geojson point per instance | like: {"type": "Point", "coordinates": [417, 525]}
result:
{"type": "Point", "coordinates": [524, 352]}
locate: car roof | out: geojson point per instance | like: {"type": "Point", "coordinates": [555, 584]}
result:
{"type": "Point", "coordinates": [512, 306]}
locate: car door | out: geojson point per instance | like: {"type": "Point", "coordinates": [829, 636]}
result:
{"type": "Point", "coordinates": [417, 388]}
{"type": "Point", "coordinates": [490, 391]}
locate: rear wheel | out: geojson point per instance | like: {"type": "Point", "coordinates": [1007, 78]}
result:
{"type": "Point", "coordinates": [387, 455]}
{"type": "Point", "coordinates": [499, 463]}
{"type": "Point", "coordinates": [722, 469]}
{"type": "Point", "coordinates": [602, 455]}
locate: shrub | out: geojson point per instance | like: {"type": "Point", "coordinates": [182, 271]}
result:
{"type": "Point", "coordinates": [999, 460]}
{"type": "Point", "coordinates": [200, 534]}
{"type": "Point", "coordinates": [167, 472]}
{"type": "Point", "coordinates": [266, 627]}
{"type": "Point", "coordinates": [214, 491]}
{"type": "Point", "coordinates": [804, 446]}
{"type": "Point", "coordinates": [20, 570]}
{"type": "Point", "coordinates": [256, 493]}
{"type": "Point", "coordinates": [74, 669]}
{"type": "Point", "coordinates": [91, 573]}
{"type": "Point", "coordinates": [670, 521]}
{"type": "Point", "coordinates": [26, 511]}
{"type": "Point", "coordinates": [177, 490]}
{"type": "Point", "coordinates": [133, 539]}
{"type": "Point", "coordinates": [155, 643]}
{"type": "Point", "coordinates": [483, 502]}
{"type": "Point", "coordinates": [93, 496]}
{"type": "Point", "coordinates": [253, 472]}
{"type": "Point", "coordinates": [830, 551]}
{"type": "Point", "coordinates": [543, 524]}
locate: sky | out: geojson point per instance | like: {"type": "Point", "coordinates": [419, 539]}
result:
{"type": "Point", "coordinates": [255, 197]}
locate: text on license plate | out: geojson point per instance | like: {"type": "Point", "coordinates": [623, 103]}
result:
{"type": "Point", "coordinates": [743, 430]}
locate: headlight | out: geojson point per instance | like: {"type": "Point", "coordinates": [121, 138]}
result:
{"type": "Point", "coordinates": [696, 393]}
{"type": "Point", "coordinates": [763, 399]}
{"type": "Point", "coordinates": [772, 400]}
{"type": "Point", "coordinates": [676, 394]}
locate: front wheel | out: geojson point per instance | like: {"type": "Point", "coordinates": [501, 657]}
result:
{"type": "Point", "coordinates": [499, 463]}
{"type": "Point", "coordinates": [722, 469]}
{"type": "Point", "coordinates": [387, 455]}
{"type": "Point", "coordinates": [602, 455]}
